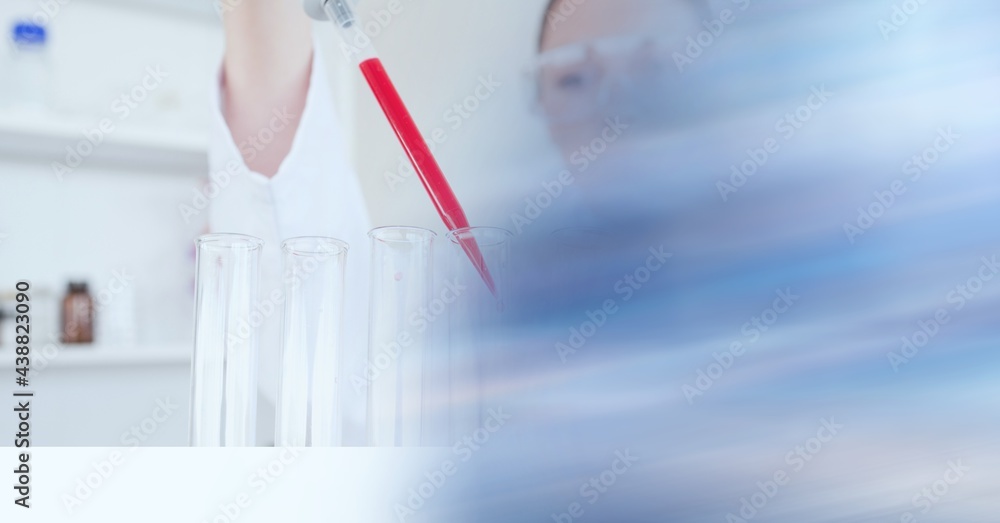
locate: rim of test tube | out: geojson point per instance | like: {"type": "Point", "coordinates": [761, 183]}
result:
{"type": "Point", "coordinates": [316, 245]}
{"type": "Point", "coordinates": [419, 234]}
{"type": "Point", "coordinates": [229, 241]}
{"type": "Point", "coordinates": [495, 235]}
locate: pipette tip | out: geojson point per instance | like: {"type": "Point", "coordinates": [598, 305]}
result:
{"type": "Point", "coordinates": [471, 248]}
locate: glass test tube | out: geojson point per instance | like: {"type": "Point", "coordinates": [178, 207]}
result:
{"type": "Point", "coordinates": [224, 366]}
{"type": "Point", "coordinates": [308, 411]}
{"type": "Point", "coordinates": [476, 320]}
{"type": "Point", "coordinates": [401, 280]}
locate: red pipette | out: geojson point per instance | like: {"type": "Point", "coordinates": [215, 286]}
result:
{"type": "Point", "coordinates": [427, 168]}
{"type": "Point", "coordinates": [423, 162]}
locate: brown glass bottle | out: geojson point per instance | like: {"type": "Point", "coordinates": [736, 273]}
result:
{"type": "Point", "coordinates": [77, 315]}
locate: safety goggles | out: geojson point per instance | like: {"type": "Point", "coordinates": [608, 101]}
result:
{"type": "Point", "coordinates": [622, 76]}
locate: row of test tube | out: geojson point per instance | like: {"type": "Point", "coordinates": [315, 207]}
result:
{"type": "Point", "coordinates": [428, 389]}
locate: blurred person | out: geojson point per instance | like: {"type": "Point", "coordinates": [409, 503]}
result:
{"type": "Point", "coordinates": [618, 109]}
{"type": "Point", "coordinates": [620, 94]}
{"type": "Point", "coordinates": [610, 60]}
{"type": "Point", "coordinates": [738, 161]}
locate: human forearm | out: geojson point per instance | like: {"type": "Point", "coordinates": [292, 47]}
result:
{"type": "Point", "coordinates": [266, 74]}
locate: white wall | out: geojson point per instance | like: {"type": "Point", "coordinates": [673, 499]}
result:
{"type": "Point", "coordinates": [109, 216]}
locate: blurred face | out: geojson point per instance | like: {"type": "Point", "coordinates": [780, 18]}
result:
{"type": "Point", "coordinates": [603, 60]}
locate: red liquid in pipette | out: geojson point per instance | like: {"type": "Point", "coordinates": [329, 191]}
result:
{"type": "Point", "coordinates": [423, 161]}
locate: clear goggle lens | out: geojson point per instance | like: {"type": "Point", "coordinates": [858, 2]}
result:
{"type": "Point", "coordinates": [621, 76]}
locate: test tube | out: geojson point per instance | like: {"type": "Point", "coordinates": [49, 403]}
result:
{"type": "Point", "coordinates": [401, 281]}
{"type": "Point", "coordinates": [476, 320]}
{"type": "Point", "coordinates": [308, 411]}
{"type": "Point", "coordinates": [224, 365]}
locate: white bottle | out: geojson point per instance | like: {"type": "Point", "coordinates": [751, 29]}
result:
{"type": "Point", "coordinates": [116, 320]}
{"type": "Point", "coordinates": [29, 67]}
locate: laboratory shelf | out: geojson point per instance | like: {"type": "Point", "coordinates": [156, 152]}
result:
{"type": "Point", "coordinates": [49, 138]}
{"type": "Point", "coordinates": [90, 356]}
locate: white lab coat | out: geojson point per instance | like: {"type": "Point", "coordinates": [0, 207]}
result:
{"type": "Point", "coordinates": [314, 193]}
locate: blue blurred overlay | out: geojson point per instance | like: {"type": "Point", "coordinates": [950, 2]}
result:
{"type": "Point", "coordinates": [783, 306]}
